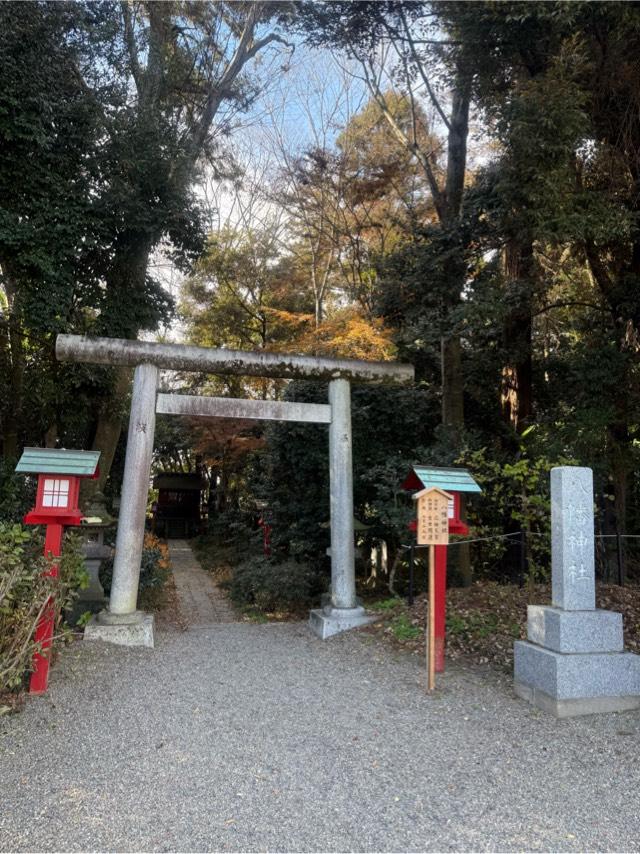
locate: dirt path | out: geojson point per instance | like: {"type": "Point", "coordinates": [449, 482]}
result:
{"type": "Point", "coordinates": [201, 601]}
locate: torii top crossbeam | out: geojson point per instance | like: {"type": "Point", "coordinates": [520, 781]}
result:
{"type": "Point", "coordinates": [181, 357]}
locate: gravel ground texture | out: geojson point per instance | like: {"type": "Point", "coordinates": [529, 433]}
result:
{"type": "Point", "coordinates": [243, 737]}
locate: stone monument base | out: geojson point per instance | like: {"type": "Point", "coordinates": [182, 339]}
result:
{"type": "Point", "coordinates": [328, 621]}
{"type": "Point", "coordinates": [580, 683]}
{"type": "Point", "coordinates": [134, 629]}
{"type": "Point", "coordinates": [575, 707]}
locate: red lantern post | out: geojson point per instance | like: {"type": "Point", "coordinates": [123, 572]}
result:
{"type": "Point", "coordinates": [57, 506]}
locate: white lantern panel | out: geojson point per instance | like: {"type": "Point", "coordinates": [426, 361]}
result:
{"type": "Point", "coordinates": [55, 492]}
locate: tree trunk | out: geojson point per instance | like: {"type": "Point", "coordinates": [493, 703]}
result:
{"type": "Point", "coordinates": [128, 271]}
{"type": "Point", "coordinates": [15, 359]}
{"type": "Point", "coordinates": [614, 289]}
{"type": "Point", "coordinates": [619, 441]}
{"type": "Point", "coordinates": [452, 385]}
{"type": "Point", "coordinates": [318, 312]}
{"type": "Point", "coordinates": [517, 373]}
{"type": "Point", "coordinates": [450, 209]}
{"type": "Point", "coordinates": [109, 425]}
{"type": "Point", "coordinates": [221, 492]}
{"type": "Point", "coordinates": [51, 435]}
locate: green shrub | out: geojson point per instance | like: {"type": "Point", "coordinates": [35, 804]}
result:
{"type": "Point", "coordinates": [154, 572]}
{"type": "Point", "coordinates": [72, 570]}
{"type": "Point", "coordinates": [404, 629]}
{"type": "Point", "coordinates": [474, 625]}
{"type": "Point", "coordinates": [232, 536]}
{"type": "Point", "coordinates": [25, 588]}
{"type": "Point", "coordinates": [386, 604]}
{"type": "Point", "coordinates": [269, 586]}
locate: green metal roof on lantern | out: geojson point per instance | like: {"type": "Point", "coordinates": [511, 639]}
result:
{"type": "Point", "coordinates": [58, 461]}
{"type": "Point", "coordinates": [449, 479]}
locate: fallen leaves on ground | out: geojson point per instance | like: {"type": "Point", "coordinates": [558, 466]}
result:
{"type": "Point", "coordinates": [168, 612]}
{"type": "Point", "coordinates": [11, 702]}
{"type": "Point", "coordinates": [484, 620]}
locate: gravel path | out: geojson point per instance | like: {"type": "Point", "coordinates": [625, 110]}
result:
{"type": "Point", "coordinates": [244, 737]}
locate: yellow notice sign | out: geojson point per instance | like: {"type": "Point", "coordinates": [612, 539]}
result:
{"type": "Point", "coordinates": [433, 516]}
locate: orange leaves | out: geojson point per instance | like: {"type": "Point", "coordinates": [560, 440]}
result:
{"type": "Point", "coordinates": [349, 335]}
{"type": "Point", "coordinates": [153, 542]}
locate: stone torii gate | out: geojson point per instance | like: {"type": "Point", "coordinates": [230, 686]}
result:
{"type": "Point", "coordinates": [121, 622]}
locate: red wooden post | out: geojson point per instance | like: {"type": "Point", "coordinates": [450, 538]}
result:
{"type": "Point", "coordinates": [45, 627]}
{"type": "Point", "coordinates": [456, 526]}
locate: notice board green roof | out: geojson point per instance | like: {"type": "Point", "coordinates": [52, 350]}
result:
{"type": "Point", "coordinates": [58, 461]}
{"type": "Point", "coordinates": [449, 479]}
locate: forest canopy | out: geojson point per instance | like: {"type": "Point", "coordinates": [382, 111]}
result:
{"type": "Point", "coordinates": [454, 185]}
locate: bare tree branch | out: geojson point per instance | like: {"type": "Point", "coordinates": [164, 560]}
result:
{"type": "Point", "coordinates": [420, 67]}
{"type": "Point", "coordinates": [130, 41]}
{"type": "Point", "coordinates": [413, 147]}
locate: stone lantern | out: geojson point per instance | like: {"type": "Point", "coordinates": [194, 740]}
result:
{"type": "Point", "coordinates": [95, 524]}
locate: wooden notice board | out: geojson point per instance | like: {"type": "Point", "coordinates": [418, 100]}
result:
{"type": "Point", "coordinates": [433, 516]}
{"type": "Point", "coordinates": [432, 530]}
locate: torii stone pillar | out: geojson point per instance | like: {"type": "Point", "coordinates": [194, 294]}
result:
{"type": "Point", "coordinates": [342, 612]}
{"type": "Point", "coordinates": [343, 582]}
{"type": "Point", "coordinates": [122, 623]}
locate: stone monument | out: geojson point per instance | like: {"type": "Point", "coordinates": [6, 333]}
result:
{"type": "Point", "coordinates": [574, 662]}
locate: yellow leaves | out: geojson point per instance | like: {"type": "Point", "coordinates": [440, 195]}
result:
{"type": "Point", "coordinates": [345, 334]}
{"type": "Point", "coordinates": [293, 320]}
{"type": "Point", "coordinates": [351, 336]}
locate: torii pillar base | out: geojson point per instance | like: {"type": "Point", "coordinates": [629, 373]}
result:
{"type": "Point", "coordinates": [325, 622]}
{"type": "Point", "coordinates": [135, 629]}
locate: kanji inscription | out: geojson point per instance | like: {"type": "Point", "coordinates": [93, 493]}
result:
{"type": "Point", "coordinates": [433, 517]}
{"type": "Point", "coordinates": [572, 554]}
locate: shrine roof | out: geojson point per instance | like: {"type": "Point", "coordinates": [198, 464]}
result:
{"type": "Point", "coordinates": [58, 461]}
{"type": "Point", "coordinates": [179, 481]}
{"type": "Point", "coordinates": [448, 479]}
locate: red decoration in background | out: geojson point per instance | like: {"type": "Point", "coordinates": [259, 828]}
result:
{"type": "Point", "coordinates": [266, 536]}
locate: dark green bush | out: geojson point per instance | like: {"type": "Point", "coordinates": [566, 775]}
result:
{"type": "Point", "coordinates": [269, 586]}
{"type": "Point", "coordinates": [17, 492]}
{"type": "Point", "coordinates": [234, 529]}
{"type": "Point", "coordinates": [154, 570]}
